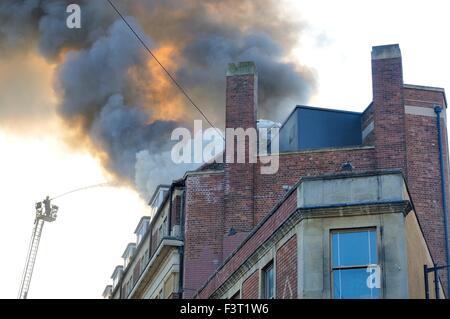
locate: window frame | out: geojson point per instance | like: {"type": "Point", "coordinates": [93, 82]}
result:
{"type": "Point", "coordinates": [332, 269]}
{"type": "Point", "coordinates": [270, 265]}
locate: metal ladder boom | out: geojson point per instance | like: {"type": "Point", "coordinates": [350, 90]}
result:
{"type": "Point", "coordinates": [45, 212]}
{"type": "Point", "coordinates": [31, 258]}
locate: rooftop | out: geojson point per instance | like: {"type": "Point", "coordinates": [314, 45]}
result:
{"type": "Point", "coordinates": [141, 222]}
{"type": "Point", "coordinates": [116, 270]}
{"type": "Point", "coordinates": [126, 252]}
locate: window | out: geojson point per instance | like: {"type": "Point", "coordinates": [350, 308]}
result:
{"type": "Point", "coordinates": [160, 233]}
{"type": "Point", "coordinates": [353, 256]}
{"type": "Point", "coordinates": [164, 225]}
{"type": "Point", "coordinates": [116, 280]}
{"type": "Point", "coordinates": [268, 286]}
{"type": "Point", "coordinates": [129, 286]}
{"type": "Point", "coordinates": [117, 276]}
{"type": "Point", "coordinates": [142, 231]}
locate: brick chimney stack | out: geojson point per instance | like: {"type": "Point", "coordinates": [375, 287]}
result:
{"type": "Point", "coordinates": [388, 107]}
{"type": "Point", "coordinates": [241, 95]}
{"type": "Point", "coordinates": [405, 137]}
{"type": "Point", "coordinates": [241, 107]}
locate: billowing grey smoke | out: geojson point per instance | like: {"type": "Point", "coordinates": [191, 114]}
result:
{"type": "Point", "coordinates": [279, 82]}
{"type": "Point", "coordinates": [89, 77]}
{"type": "Point", "coordinates": [121, 131]}
{"type": "Point", "coordinates": [103, 73]}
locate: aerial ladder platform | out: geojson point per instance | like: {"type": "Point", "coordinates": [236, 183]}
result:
{"type": "Point", "coordinates": [45, 212]}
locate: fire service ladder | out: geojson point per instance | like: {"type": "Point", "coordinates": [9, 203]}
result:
{"type": "Point", "coordinates": [45, 212]}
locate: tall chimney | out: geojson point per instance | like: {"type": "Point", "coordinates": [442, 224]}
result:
{"type": "Point", "coordinates": [241, 105]}
{"type": "Point", "coordinates": [388, 107]}
{"type": "Point", "coordinates": [241, 95]}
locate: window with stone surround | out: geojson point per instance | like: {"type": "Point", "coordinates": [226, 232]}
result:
{"type": "Point", "coordinates": [354, 264]}
{"type": "Point", "coordinates": [268, 282]}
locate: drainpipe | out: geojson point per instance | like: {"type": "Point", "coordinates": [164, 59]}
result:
{"type": "Point", "coordinates": [181, 248]}
{"type": "Point", "coordinates": [169, 218]}
{"type": "Point", "coordinates": [438, 111]}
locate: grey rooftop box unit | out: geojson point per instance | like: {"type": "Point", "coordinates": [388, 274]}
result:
{"type": "Point", "coordinates": [313, 128]}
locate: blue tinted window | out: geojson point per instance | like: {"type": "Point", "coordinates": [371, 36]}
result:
{"type": "Point", "coordinates": [351, 253]}
{"type": "Point", "coordinates": [352, 284]}
{"type": "Point", "coordinates": [354, 248]}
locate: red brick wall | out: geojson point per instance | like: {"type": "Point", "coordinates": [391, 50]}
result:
{"type": "Point", "coordinates": [402, 141]}
{"type": "Point", "coordinates": [250, 246]}
{"type": "Point", "coordinates": [203, 229]}
{"type": "Point", "coordinates": [268, 191]}
{"type": "Point", "coordinates": [241, 99]}
{"type": "Point", "coordinates": [250, 287]}
{"type": "Point", "coordinates": [409, 142]}
{"type": "Point", "coordinates": [269, 188]}
{"type": "Point", "coordinates": [175, 214]}
{"type": "Point", "coordinates": [286, 270]}
{"type": "Point", "coordinates": [388, 113]}
{"type": "Point", "coordinates": [424, 171]}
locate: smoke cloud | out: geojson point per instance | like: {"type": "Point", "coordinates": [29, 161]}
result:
{"type": "Point", "coordinates": [111, 90]}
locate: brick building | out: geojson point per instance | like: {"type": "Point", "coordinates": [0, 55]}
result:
{"type": "Point", "coordinates": [355, 195]}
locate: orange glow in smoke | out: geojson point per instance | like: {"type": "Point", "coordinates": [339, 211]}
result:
{"type": "Point", "coordinates": [160, 96]}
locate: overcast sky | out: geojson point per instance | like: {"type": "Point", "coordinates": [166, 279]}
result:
{"type": "Point", "coordinates": [79, 251]}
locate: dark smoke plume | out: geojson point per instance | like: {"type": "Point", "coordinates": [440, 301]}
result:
{"type": "Point", "coordinates": [111, 90]}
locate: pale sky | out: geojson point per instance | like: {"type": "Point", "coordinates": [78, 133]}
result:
{"type": "Point", "coordinates": [79, 251]}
